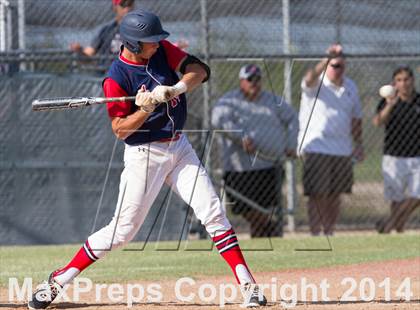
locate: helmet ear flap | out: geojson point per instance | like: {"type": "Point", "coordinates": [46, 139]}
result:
{"type": "Point", "coordinates": [136, 49]}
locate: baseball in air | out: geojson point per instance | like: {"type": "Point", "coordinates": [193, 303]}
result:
{"type": "Point", "coordinates": [387, 91]}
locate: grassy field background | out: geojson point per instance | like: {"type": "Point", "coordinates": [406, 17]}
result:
{"type": "Point", "coordinates": [159, 261]}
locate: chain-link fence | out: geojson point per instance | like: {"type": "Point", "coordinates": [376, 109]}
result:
{"type": "Point", "coordinates": [60, 171]}
{"type": "Point", "coordinates": [235, 27]}
{"type": "Point", "coordinates": [366, 205]}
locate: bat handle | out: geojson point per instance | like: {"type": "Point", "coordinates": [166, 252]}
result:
{"type": "Point", "coordinates": [130, 98]}
{"type": "Point", "coordinates": [104, 100]}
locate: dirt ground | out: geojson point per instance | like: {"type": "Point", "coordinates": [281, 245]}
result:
{"type": "Point", "coordinates": [376, 295]}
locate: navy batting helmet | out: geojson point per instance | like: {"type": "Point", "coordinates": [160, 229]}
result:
{"type": "Point", "coordinates": [140, 26]}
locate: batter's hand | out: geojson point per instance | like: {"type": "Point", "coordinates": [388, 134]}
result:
{"type": "Point", "coordinates": [144, 99]}
{"type": "Point", "coordinates": [163, 93]}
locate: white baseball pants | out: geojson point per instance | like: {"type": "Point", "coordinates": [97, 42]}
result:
{"type": "Point", "coordinates": [146, 168]}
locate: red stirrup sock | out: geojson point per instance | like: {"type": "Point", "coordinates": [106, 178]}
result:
{"type": "Point", "coordinates": [228, 247]}
{"type": "Point", "coordinates": [80, 261]}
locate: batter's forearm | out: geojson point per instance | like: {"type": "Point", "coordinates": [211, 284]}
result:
{"type": "Point", "coordinates": [125, 126]}
{"type": "Point", "coordinates": [194, 76]}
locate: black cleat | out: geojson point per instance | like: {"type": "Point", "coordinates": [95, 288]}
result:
{"type": "Point", "coordinates": [45, 293]}
{"type": "Point", "coordinates": [253, 297]}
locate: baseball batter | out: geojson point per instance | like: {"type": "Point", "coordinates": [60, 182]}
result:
{"type": "Point", "coordinates": [156, 152]}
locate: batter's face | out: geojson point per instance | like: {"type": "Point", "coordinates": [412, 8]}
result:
{"type": "Point", "coordinates": [148, 50]}
{"type": "Point", "coordinates": [251, 87]}
{"type": "Point", "coordinates": [404, 83]}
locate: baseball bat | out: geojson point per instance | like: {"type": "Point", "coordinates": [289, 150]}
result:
{"type": "Point", "coordinates": [51, 104]}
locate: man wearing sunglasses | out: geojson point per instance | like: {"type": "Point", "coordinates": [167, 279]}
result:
{"type": "Point", "coordinates": [258, 130]}
{"type": "Point", "coordinates": [330, 138]}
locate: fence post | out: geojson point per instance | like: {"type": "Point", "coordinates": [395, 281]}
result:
{"type": "Point", "coordinates": [206, 105]}
{"type": "Point", "coordinates": [9, 26]}
{"type": "Point", "coordinates": [290, 164]}
{"type": "Point", "coordinates": [206, 86]}
{"type": "Point", "coordinates": [21, 31]}
{"type": "Point", "coordinates": [338, 22]}
{"type": "Point", "coordinates": [3, 24]}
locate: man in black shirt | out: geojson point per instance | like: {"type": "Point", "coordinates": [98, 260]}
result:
{"type": "Point", "coordinates": [107, 41]}
{"type": "Point", "coordinates": [400, 114]}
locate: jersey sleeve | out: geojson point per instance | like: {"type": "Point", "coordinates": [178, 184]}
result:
{"type": "Point", "coordinates": [119, 108]}
{"type": "Point", "coordinates": [173, 53]}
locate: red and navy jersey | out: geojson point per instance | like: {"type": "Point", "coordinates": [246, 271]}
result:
{"type": "Point", "coordinates": [125, 78]}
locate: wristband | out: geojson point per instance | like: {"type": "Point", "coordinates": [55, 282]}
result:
{"type": "Point", "coordinates": [180, 88]}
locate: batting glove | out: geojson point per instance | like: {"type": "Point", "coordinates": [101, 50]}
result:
{"type": "Point", "coordinates": [164, 93]}
{"type": "Point", "coordinates": [144, 99]}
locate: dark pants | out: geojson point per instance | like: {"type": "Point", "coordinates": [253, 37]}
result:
{"type": "Point", "coordinates": [325, 177]}
{"type": "Point", "coordinates": [263, 187]}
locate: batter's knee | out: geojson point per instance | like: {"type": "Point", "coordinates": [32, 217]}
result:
{"type": "Point", "coordinates": [111, 237]}
{"type": "Point", "coordinates": [124, 233]}
{"type": "Point", "coordinates": [217, 225]}
{"type": "Point", "coordinates": [213, 216]}
{"type": "Point", "coordinates": [125, 225]}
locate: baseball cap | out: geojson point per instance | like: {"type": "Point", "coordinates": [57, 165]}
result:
{"type": "Point", "coordinates": [249, 70]}
{"type": "Point", "coordinates": [116, 2]}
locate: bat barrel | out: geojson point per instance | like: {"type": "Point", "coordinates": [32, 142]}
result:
{"type": "Point", "coordinates": [49, 104]}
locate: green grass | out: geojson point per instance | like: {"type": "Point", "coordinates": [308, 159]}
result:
{"type": "Point", "coordinates": [370, 170]}
{"type": "Point", "coordinates": [151, 264]}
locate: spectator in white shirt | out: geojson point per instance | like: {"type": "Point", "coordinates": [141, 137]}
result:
{"type": "Point", "coordinates": [326, 138]}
